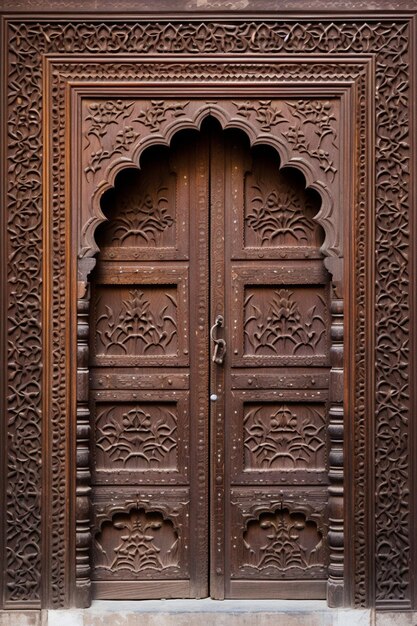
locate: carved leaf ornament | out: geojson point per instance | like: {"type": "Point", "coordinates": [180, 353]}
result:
{"type": "Point", "coordinates": [154, 115]}
{"type": "Point", "coordinates": [135, 328]}
{"type": "Point", "coordinates": [281, 541]}
{"type": "Point", "coordinates": [280, 328]}
{"type": "Point", "coordinates": [143, 222]}
{"type": "Point", "coordinates": [137, 437]}
{"type": "Point", "coordinates": [279, 438]}
{"type": "Point", "coordinates": [139, 548]}
{"type": "Point", "coordinates": [277, 215]}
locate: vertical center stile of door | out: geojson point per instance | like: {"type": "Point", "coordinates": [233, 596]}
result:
{"type": "Point", "coordinates": [216, 204]}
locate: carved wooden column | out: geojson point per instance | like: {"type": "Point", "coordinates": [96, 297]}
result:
{"type": "Point", "coordinates": [83, 476]}
{"type": "Point", "coordinates": [335, 587]}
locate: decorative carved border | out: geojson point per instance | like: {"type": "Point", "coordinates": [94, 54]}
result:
{"type": "Point", "coordinates": [389, 42]}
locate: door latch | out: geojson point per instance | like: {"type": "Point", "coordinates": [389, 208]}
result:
{"type": "Point", "coordinates": [219, 349]}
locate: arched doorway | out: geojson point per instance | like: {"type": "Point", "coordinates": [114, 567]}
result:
{"type": "Point", "coordinates": [209, 377]}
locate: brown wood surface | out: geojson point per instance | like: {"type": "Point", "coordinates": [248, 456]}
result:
{"type": "Point", "coordinates": [178, 7]}
{"type": "Point", "coordinates": [209, 219]}
{"type": "Point", "coordinates": [87, 85]}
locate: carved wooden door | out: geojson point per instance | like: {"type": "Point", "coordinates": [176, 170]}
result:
{"type": "Point", "coordinates": [209, 448]}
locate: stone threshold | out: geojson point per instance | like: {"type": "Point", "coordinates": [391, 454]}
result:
{"type": "Point", "coordinates": [208, 612]}
{"type": "Point", "coordinates": [205, 612]}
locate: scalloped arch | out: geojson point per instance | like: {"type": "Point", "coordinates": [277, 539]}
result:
{"type": "Point", "coordinates": [326, 217]}
{"type": "Point", "coordinates": [119, 509]}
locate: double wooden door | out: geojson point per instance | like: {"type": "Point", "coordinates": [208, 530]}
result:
{"type": "Point", "coordinates": [209, 341]}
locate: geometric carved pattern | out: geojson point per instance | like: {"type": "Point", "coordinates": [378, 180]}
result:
{"type": "Point", "coordinates": [136, 542]}
{"type": "Point", "coordinates": [389, 41]}
{"type": "Point", "coordinates": [284, 437]}
{"type": "Point", "coordinates": [280, 323]}
{"type": "Point", "coordinates": [142, 437]}
{"type": "Point", "coordinates": [283, 542]}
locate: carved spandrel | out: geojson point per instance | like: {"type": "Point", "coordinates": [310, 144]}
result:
{"type": "Point", "coordinates": [284, 436]}
{"type": "Point", "coordinates": [159, 112]}
{"type": "Point", "coordinates": [308, 125]}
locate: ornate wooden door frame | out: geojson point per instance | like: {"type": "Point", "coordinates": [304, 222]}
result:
{"type": "Point", "coordinates": [156, 116]}
{"type": "Point", "coordinates": [366, 61]}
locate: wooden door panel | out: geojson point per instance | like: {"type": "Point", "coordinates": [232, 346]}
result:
{"type": "Point", "coordinates": [259, 259]}
{"type": "Point", "coordinates": [279, 319]}
{"type": "Point", "coordinates": [272, 212]}
{"type": "Point", "coordinates": [140, 548]}
{"type": "Point", "coordinates": [279, 437]}
{"type": "Point", "coordinates": [148, 438]}
{"type": "Point", "coordinates": [149, 213]}
{"type": "Point", "coordinates": [140, 316]}
{"type": "Point", "coordinates": [141, 437]}
{"type": "Point", "coordinates": [279, 547]}
{"type": "Point", "coordinates": [276, 374]}
{"type": "Point", "coordinates": [283, 533]}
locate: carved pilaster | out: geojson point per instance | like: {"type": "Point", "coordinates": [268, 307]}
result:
{"type": "Point", "coordinates": [83, 488]}
{"type": "Point", "coordinates": [335, 588]}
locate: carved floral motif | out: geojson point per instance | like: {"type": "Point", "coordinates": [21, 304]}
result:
{"type": "Point", "coordinates": [277, 215]}
{"type": "Point", "coordinates": [282, 438]}
{"type": "Point", "coordinates": [279, 328]}
{"type": "Point", "coordinates": [319, 114]}
{"type": "Point", "coordinates": [135, 328]}
{"type": "Point", "coordinates": [102, 114]}
{"type": "Point", "coordinates": [156, 114]}
{"type": "Point", "coordinates": [143, 223]}
{"type": "Point", "coordinates": [137, 543]}
{"type": "Point", "coordinates": [283, 540]}
{"type": "Point", "coordinates": [124, 138]}
{"type": "Point", "coordinates": [265, 112]}
{"type": "Point", "coordinates": [143, 437]}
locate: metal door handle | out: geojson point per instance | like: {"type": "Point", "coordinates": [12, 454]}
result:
{"type": "Point", "coordinates": [219, 350]}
